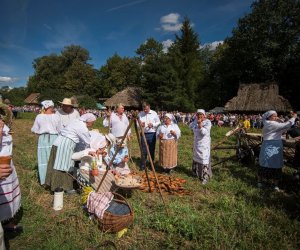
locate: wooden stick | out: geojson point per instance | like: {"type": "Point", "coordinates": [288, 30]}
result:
{"type": "Point", "coordinates": [140, 145]}
{"type": "Point", "coordinates": [152, 165]}
{"type": "Point", "coordinates": [115, 154]}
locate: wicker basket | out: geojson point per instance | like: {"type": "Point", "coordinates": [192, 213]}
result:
{"type": "Point", "coordinates": [114, 222]}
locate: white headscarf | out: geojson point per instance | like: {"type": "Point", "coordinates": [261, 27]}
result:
{"type": "Point", "coordinates": [171, 117]}
{"type": "Point", "coordinates": [266, 115]}
{"type": "Point", "coordinates": [202, 111]}
{"type": "Point", "coordinates": [88, 117]}
{"type": "Point", "coordinates": [97, 140]}
{"type": "Point", "coordinates": [47, 103]}
{"type": "Point", "coordinates": [111, 138]}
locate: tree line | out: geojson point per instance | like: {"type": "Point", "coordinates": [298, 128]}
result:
{"type": "Point", "coordinates": [264, 46]}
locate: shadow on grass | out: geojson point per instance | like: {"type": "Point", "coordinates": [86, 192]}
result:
{"type": "Point", "coordinates": [287, 200]}
{"type": "Point", "coordinates": [9, 235]}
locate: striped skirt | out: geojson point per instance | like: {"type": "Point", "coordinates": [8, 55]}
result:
{"type": "Point", "coordinates": [63, 159]}
{"type": "Point", "coordinates": [10, 195]}
{"type": "Point", "coordinates": [44, 147]}
{"type": "Point", "coordinates": [168, 153]}
{"type": "Point", "coordinates": [55, 178]}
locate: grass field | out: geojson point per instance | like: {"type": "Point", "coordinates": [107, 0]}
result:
{"type": "Point", "coordinates": [228, 213]}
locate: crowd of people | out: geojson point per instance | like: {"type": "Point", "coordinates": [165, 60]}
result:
{"type": "Point", "coordinates": [68, 146]}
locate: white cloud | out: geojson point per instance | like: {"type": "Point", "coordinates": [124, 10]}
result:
{"type": "Point", "coordinates": [166, 45]}
{"type": "Point", "coordinates": [170, 22]}
{"type": "Point", "coordinates": [172, 18]}
{"type": "Point", "coordinates": [7, 79]}
{"type": "Point", "coordinates": [212, 46]}
{"type": "Point", "coordinates": [170, 27]}
{"type": "Point", "coordinates": [125, 5]}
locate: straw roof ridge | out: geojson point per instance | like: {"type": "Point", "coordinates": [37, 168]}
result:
{"type": "Point", "coordinates": [32, 98]}
{"type": "Point", "coordinates": [129, 97]}
{"type": "Point", "coordinates": [258, 97]}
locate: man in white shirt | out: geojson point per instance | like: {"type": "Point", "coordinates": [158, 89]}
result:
{"type": "Point", "coordinates": [149, 121]}
{"type": "Point", "coordinates": [117, 122]}
{"type": "Point", "coordinates": [67, 113]}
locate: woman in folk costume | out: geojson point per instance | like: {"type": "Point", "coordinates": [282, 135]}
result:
{"type": "Point", "coordinates": [98, 149]}
{"type": "Point", "coordinates": [47, 125]}
{"type": "Point", "coordinates": [201, 149]}
{"type": "Point", "coordinates": [10, 195]}
{"type": "Point", "coordinates": [271, 152]}
{"type": "Point", "coordinates": [60, 160]}
{"type": "Point", "coordinates": [120, 163]}
{"type": "Point", "coordinates": [168, 135]}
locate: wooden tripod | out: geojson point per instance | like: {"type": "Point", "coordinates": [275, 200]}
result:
{"type": "Point", "coordinates": [134, 120]}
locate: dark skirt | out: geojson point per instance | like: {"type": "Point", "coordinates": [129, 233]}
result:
{"type": "Point", "coordinates": [56, 178]}
{"type": "Point", "coordinates": [270, 173]}
{"type": "Point", "coordinates": [271, 154]}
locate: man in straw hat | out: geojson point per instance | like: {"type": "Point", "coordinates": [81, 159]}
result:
{"type": "Point", "coordinates": [67, 112]}
{"type": "Point", "coordinates": [201, 150]}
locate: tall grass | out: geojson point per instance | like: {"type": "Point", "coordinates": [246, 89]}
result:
{"type": "Point", "coordinates": [228, 213]}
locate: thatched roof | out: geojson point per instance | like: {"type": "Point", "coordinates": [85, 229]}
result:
{"type": "Point", "coordinates": [33, 98]}
{"type": "Point", "coordinates": [258, 98]}
{"type": "Point", "coordinates": [129, 97]}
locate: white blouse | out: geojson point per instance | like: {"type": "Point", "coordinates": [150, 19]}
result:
{"type": "Point", "coordinates": [77, 131]}
{"type": "Point", "coordinates": [147, 118]}
{"type": "Point", "coordinates": [66, 118]}
{"type": "Point", "coordinates": [273, 130]}
{"type": "Point", "coordinates": [166, 131]}
{"type": "Point", "coordinates": [118, 126]}
{"type": "Point", "coordinates": [46, 124]}
{"type": "Point", "coordinates": [6, 145]}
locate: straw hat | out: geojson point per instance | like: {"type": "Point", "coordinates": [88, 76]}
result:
{"type": "Point", "coordinates": [67, 101]}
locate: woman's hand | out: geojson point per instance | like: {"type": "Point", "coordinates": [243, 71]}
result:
{"type": "Point", "coordinates": [173, 132]}
{"type": "Point", "coordinates": [125, 159]}
{"type": "Point", "coordinates": [161, 135]}
{"type": "Point", "coordinates": [91, 153]}
{"type": "Point", "coordinates": [5, 171]}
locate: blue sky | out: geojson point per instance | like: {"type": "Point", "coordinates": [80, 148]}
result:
{"type": "Point", "coordinates": [33, 28]}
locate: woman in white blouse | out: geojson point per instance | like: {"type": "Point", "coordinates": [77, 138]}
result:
{"type": "Point", "coordinates": [201, 127]}
{"type": "Point", "coordinates": [168, 135]}
{"type": "Point", "coordinates": [60, 160]}
{"type": "Point", "coordinates": [271, 153]}
{"type": "Point", "coordinates": [47, 125]}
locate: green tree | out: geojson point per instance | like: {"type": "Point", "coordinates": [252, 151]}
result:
{"type": "Point", "coordinates": [119, 73]}
{"type": "Point", "coordinates": [16, 96]}
{"type": "Point", "coordinates": [67, 74]}
{"type": "Point", "coordinates": [186, 61]}
{"type": "Point", "coordinates": [265, 47]}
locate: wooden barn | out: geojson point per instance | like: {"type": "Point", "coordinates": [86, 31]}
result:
{"type": "Point", "coordinates": [258, 98]}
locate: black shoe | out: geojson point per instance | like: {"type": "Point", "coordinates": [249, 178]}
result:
{"type": "Point", "coordinates": [13, 229]}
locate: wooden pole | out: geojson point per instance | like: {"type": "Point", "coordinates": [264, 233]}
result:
{"type": "Point", "coordinates": [151, 163]}
{"type": "Point", "coordinates": [115, 154]}
{"type": "Point", "coordinates": [141, 149]}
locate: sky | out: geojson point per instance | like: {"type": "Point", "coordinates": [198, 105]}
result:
{"type": "Point", "coordinates": [33, 28]}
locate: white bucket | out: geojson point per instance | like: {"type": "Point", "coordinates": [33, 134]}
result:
{"type": "Point", "coordinates": [58, 200]}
